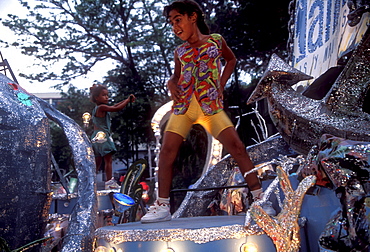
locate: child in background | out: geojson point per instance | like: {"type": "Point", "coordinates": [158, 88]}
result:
{"type": "Point", "coordinates": [196, 88]}
{"type": "Point", "coordinates": [101, 138]}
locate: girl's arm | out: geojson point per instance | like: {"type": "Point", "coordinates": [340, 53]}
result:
{"type": "Point", "coordinates": [114, 108]}
{"type": "Point", "coordinates": [172, 83]}
{"type": "Point", "coordinates": [230, 59]}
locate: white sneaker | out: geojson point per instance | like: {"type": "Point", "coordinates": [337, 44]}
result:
{"type": "Point", "coordinates": [111, 184]}
{"type": "Point", "coordinates": [157, 213]}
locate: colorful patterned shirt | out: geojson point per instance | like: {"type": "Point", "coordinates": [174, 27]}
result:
{"type": "Point", "coordinates": [200, 75]}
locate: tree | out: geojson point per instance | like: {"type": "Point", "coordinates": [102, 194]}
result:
{"type": "Point", "coordinates": [75, 103]}
{"type": "Point", "coordinates": [132, 125]}
{"type": "Point", "coordinates": [81, 33]}
{"type": "Point", "coordinates": [134, 34]}
{"type": "Point", "coordinates": [253, 29]}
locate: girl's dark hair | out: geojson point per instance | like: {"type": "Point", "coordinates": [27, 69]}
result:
{"type": "Point", "coordinates": [188, 7]}
{"type": "Point", "coordinates": [95, 91]}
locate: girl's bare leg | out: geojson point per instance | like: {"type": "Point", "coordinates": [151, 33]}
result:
{"type": "Point", "coordinates": [232, 143]}
{"type": "Point", "coordinates": [108, 166]}
{"type": "Point", "coordinates": [98, 161]}
{"type": "Point", "coordinates": [170, 147]}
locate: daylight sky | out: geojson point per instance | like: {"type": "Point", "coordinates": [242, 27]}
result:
{"type": "Point", "coordinates": [21, 63]}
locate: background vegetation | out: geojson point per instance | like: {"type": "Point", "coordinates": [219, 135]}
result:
{"type": "Point", "coordinates": [135, 35]}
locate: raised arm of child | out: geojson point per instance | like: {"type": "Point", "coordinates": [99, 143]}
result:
{"type": "Point", "coordinates": [114, 108]}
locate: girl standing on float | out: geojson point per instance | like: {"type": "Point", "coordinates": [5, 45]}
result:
{"type": "Point", "coordinates": [103, 145]}
{"type": "Point", "coordinates": [196, 88]}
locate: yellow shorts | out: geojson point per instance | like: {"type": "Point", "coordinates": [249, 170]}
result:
{"type": "Point", "coordinates": [214, 124]}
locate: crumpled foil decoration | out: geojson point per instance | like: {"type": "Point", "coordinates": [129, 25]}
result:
{"type": "Point", "coordinates": [277, 71]}
{"type": "Point", "coordinates": [288, 164]}
{"type": "Point", "coordinates": [25, 170]}
{"type": "Point", "coordinates": [82, 222]}
{"type": "Point", "coordinates": [284, 229]}
{"type": "Point", "coordinates": [346, 164]}
{"type": "Point", "coordinates": [302, 121]}
{"type": "Point", "coordinates": [195, 202]}
{"type": "Point", "coordinates": [25, 194]}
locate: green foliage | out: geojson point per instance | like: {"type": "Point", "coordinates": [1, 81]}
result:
{"type": "Point", "coordinates": [75, 103]}
{"type": "Point", "coordinates": [135, 35]}
{"type": "Point", "coordinates": [82, 33]}
{"type": "Point", "coordinates": [131, 126]}
{"type": "Point", "coordinates": [189, 164]}
{"type": "Point", "coordinates": [4, 245]}
{"type": "Point", "coordinates": [253, 29]}
{"type": "Point", "coordinates": [60, 147]}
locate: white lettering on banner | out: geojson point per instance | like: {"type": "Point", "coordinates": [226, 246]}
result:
{"type": "Point", "coordinates": [322, 34]}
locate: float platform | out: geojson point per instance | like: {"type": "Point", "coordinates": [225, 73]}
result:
{"type": "Point", "coordinates": [204, 233]}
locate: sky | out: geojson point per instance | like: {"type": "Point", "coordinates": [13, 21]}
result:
{"type": "Point", "coordinates": [24, 64]}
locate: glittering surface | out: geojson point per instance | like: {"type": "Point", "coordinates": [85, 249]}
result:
{"type": "Point", "coordinates": [195, 203]}
{"type": "Point", "coordinates": [206, 228]}
{"type": "Point", "coordinates": [284, 229]}
{"type": "Point", "coordinates": [346, 164]}
{"type": "Point", "coordinates": [24, 166]}
{"type": "Point", "coordinates": [179, 230]}
{"type": "Point", "coordinates": [277, 71]}
{"type": "Point", "coordinates": [82, 223]}
{"type": "Point", "coordinates": [340, 159]}
{"type": "Point", "coordinates": [301, 121]}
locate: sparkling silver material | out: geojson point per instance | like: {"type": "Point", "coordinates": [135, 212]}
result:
{"type": "Point", "coordinates": [286, 164]}
{"type": "Point", "coordinates": [345, 165]}
{"type": "Point", "coordinates": [195, 201]}
{"type": "Point", "coordinates": [200, 235]}
{"type": "Point", "coordinates": [25, 194]}
{"type": "Point", "coordinates": [302, 121]}
{"type": "Point", "coordinates": [83, 219]}
{"type": "Point", "coordinates": [25, 170]}
{"type": "Point", "coordinates": [284, 229]}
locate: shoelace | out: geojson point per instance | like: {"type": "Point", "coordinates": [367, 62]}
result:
{"type": "Point", "coordinates": [151, 208]}
{"type": "Point", "coordinates": [155, 206]}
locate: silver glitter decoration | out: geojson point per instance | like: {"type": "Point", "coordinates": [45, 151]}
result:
{"type": "Point", "coordinates": [116, 235]}
{"type": "Point", "coordinates": [346, 165]}
{"type": "Point", "coordinates": [284, 229]}
{"type": "Point", "coordinates": [24, 166]}
{"type": "Point", "coordinates": [195, 202]}
{"type": "Point", "coordinates": [285, 163]}
{"type": "Point", "coordinates": [277, 71]}
{"type": "Point", "coordinates": [82, 223]}
{"type": "Point", "coordinates": [302, 121]}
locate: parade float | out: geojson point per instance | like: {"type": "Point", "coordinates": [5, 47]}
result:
{"type": "Point", "coordinates": [315, 170]}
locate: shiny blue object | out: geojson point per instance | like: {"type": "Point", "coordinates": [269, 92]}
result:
{"type": "Point", "coordinates": [122, 202]}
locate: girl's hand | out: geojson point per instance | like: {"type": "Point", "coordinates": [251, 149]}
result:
{"type": "Point", "coordinates": [131, 98]}
{"type": "Point", "coordinates": [221, 93]}
{"type": "Point", "coordinates": [174, 90]}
